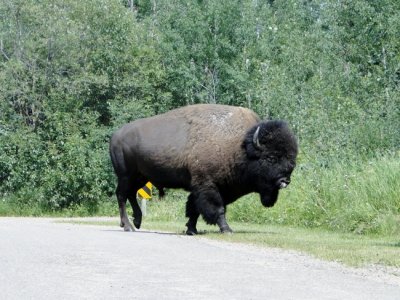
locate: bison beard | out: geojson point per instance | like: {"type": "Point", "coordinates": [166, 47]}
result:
{"type": "Point", "coordinates": [218, 153]}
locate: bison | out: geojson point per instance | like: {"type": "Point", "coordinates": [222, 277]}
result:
{"type": "Point", "coordinates": [218, 153]}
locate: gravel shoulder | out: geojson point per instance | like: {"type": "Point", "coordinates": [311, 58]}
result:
{"type": "Point", "coordinates": [44, 259]}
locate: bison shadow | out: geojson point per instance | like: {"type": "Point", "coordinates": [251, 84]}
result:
{"type": "Point", "coordinates": [393, 244]}
{"type": "Point", "coordinates": [201, 232]}
{"type": "Point", "coordinates": [207, 232]}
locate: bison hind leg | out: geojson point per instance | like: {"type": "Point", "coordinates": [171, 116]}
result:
{"type": "Point", "coordinates": [122, 195]}
{"type": "Point", "coordinates": [161, 191]}
{"type": "Point", "coordinates": [137, 212]}
{"type": "Point", "coordinates": [193, 214]}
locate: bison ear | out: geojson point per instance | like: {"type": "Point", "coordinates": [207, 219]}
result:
{"type": "Point", "coordinates": [252, 153]}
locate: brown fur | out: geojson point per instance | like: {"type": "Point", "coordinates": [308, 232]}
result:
{"type": "Point", "coordinates": [205, 139]}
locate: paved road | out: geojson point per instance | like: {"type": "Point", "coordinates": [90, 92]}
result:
{"type": "Point", "coordinates": [42, 259]}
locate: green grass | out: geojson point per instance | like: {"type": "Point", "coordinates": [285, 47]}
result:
{"type": "Point", "coordinates": [348, 212]}
{"type": "Point", "coordinates": [354, 197]}
{"type": "Point", "coordinates": [347, 248]}
{"type": "Point", "coordinates": [362, 197]}
{"type": "Point", "coordinates": [350, 249]}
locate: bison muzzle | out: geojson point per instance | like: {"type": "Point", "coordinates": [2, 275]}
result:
{"type": "Point", "coordinates": [218, 153]}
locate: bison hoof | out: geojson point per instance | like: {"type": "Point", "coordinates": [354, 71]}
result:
{"type": "Point", "coordinates": [226, 230]}
{"type": "Point", "coordinates": [137, 224]}
{"type": "Point", "coordinates": [129, 228]}
{"type": "Point", "coordinates": [191, 231]}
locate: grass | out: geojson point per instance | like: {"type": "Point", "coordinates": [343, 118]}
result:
{"type": "Point", "coordinates": [358, 197]}
{"type": "Point", "coordinates": [347, 248]}
{"type": "Point", "coordinates": [350, 249]}
{"type": "Point", "coordinates": [349, 212]}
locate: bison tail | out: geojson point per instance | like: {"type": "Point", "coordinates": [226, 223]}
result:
{"type": "Point", "coordinates": [118, 161]}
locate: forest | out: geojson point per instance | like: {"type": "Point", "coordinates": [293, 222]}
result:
{"type": "Point", "coordinates": [72, 72]}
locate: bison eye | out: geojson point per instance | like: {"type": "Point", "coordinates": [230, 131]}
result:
{"type": "Point", "coordinates": [292, 162]}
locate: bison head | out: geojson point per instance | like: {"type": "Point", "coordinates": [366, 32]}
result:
{"type": "Point", "coordinates": [271, 150]}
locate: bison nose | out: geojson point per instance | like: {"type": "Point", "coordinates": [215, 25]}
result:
{"type": "Point", "coordinates": [283, 182]}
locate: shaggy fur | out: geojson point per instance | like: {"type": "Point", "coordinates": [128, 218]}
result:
{"type": "Point", "coordinates": [207, 150]}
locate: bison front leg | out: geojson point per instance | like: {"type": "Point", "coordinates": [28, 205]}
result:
{"type": "Point", "coordinates": [211, 206]}
{"type": "Point", "coordinates": [223, 225]}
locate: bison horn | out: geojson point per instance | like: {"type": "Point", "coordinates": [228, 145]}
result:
{"type": "Point", "coordinates": [256, 142]}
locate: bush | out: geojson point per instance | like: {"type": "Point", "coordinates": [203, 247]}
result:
{"type": "Point", "coordinates": [74, 71]}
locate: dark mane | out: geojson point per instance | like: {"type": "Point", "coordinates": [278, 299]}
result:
{"type": "Point", "coordinates": [275, 131]}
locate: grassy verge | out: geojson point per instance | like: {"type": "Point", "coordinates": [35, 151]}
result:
{"type": "Point", "coordinates": [356, 197]}
{"type": "Point", "coordinates": [347, 248]}
{"type": "Point", "coordinates": [348, 212]}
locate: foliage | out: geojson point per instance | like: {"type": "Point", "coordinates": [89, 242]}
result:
{"type": "Point", "coordinates": [360, 197]}
{"type": "Point", "coordinates": [73, 71]}
{"type": "Point", "coordinates": [64, 69]}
